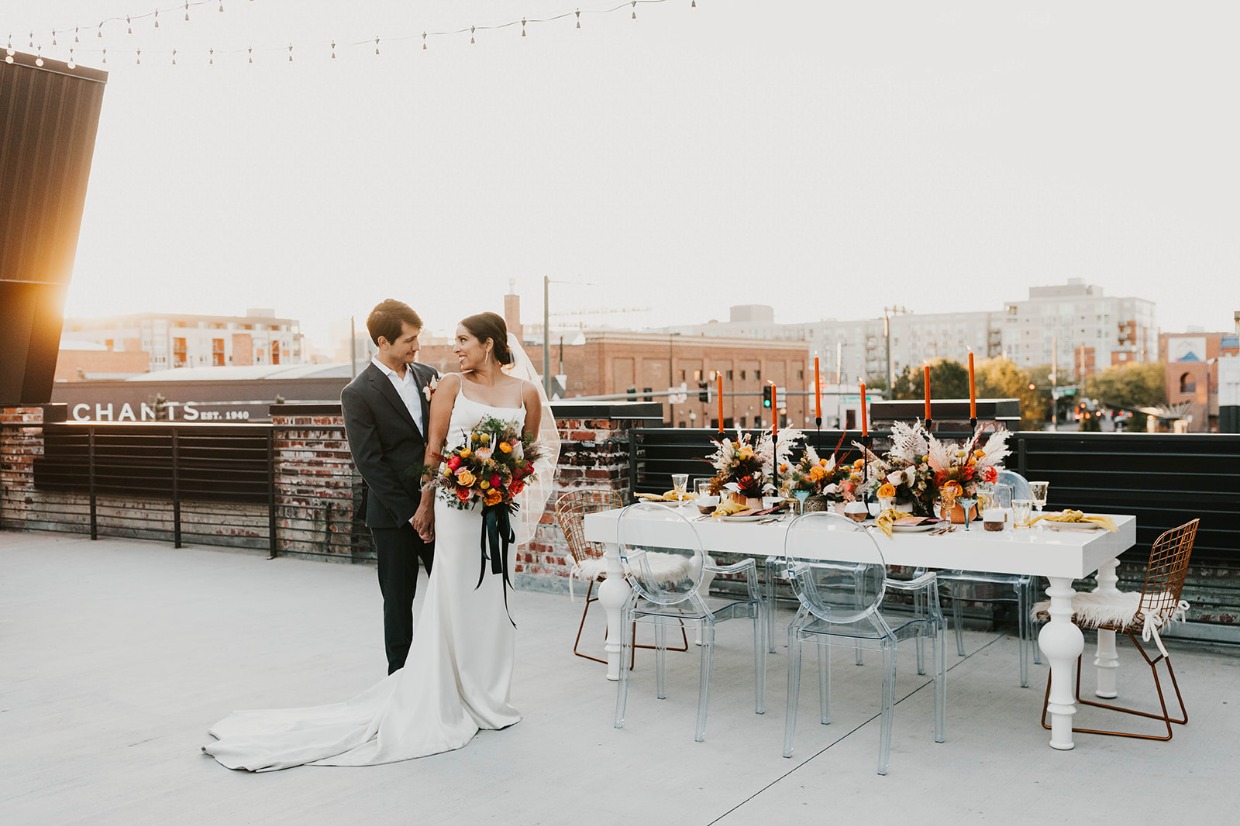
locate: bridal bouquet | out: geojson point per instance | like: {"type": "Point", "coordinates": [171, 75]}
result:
{"type": "Point", "coordinates": [492, 467]}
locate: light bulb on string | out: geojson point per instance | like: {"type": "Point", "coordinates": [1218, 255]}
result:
{"type": "Point", "coordinates": [634, 9]}
{"type": "Point", "coordinates": [333, 50]}
{"type": "Point", "coordinates": [471, 35]}
{"type": "Point", "coordinates": [423, 41]}
{"type": "Point", "coordinates": [290, 53]}
{"type": "Point", "coordinates": [100, 34]}
{"type": "Point", "coordinates": [72, 61]}
{"type": "Point", "coordinates": [579, 18]}
{"type": "Point", "coordinates": [105, 57]}
{"type": "Point", "coordinates": [221, 5]}
{"type": "Point", "coordinates": [139, 62]}
{"type": "Point", "coordinates": [523, 27]}
{"type": "Point", "coordinates": [174, 57]}
{"type": "Point", "coordinates": [157, 18]}
{"type": "Point", "coordinates": [128, 22]}
{"type": "Point", "coordinates": [210, 57]}
{"type": "Point", "coordinates": [32, 40]}
{"type": "Point", "coordinates": [376, 45]}
{"type": "Point", "coordinates": [251, 51]}
{"type": "Point", "coordinates": [53, 38]}
{"type": "Point", "coordinates": [75, 34]}
{"type": "Point", "coordinates": [38, 59]}
{"type": "Point", "coordinates": [186, 11]}
{"type": "Point", "coordinates": [693, 5]}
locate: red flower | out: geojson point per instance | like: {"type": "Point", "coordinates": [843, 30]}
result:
{"type": "Point", "coordinates": [990, 474]}
{"type": "Point", "coordinates": [454, 463]}
{"type": "Point", "coordinates": [462, 494]}
{"type": "Point", "coordinates": [516, 487]}
{"type": "Point", "coordinates": [496, 481]}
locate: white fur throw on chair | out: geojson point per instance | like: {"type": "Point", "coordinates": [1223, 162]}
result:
{"type": "Point", "coordinates": [664, 568]}
{"type": "Point", "coordinates": [1095, 608]}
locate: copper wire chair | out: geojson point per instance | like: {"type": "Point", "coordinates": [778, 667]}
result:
{"type": "Point", "coordinates": [1138, 616]}
{"type": "Point", "coordinates": [588, 564]}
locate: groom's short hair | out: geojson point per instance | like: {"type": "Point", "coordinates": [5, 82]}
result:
{"type": "Point", "coordinates": [386, 318]}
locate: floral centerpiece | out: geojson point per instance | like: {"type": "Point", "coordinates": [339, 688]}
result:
{"type": "Point", "coordinates": [747, 468]}
{"type": "Point", "coordinates": [490, 468]}
{"type": "Point", "coordinates": [919, 466]}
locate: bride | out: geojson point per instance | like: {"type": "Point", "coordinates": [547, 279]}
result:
{"type": "Point", "coordinates": [459, 670]}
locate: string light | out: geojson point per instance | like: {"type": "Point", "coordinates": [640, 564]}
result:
{"type": "Point", "coordinates": [105, 57]}
{"type": "Point", "coordinates": [174, 57]}
{"type": "Point", "coordinates": [290, 53]}
{"type": "Point", "coordinates": [38, 59]}
{"type": "Point", "coordinates": [72, 62]}
{"type": "Point", "coordinates": [210, 57]}
{"type": "Point", "coordinates": [525, 22]}
{"type": "Point", "coordinates": [139, 61]}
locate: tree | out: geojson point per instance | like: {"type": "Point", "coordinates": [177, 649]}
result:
{"type": "Point", "coordinates": [948, 380]}
{"type": "Point", "coordinates": [1130, 386]}
{"type": "Point", "coordinates": [1000, 378]}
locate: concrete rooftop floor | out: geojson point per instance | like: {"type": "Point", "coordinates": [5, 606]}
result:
{"type": "Point", "coordinates": [115, 657]}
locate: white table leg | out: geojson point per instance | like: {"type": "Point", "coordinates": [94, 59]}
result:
{"type": "Point", "coordinates": [612, 594]}
{"type": "Point", "coordinates": [1106, 660]}
{"type": "Point", "coordinates": [1062, 643]}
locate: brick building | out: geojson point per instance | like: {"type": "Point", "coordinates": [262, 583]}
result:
{"type": "Point", "coordinates": [1192, 367]}
{"type": "Point", "coordinates": [612, 363]}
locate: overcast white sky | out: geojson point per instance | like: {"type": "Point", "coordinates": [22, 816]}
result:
{"type": "Point", "coordinates": [827, 158]}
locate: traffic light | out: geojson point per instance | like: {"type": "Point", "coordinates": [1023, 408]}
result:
{"type": "Point", "coordinates": [632, 391]}
{"type": "Point", "coordinates": [649, 394]}
{"type": "Point", "coordinates": [704, 392]}
{"type": "Point", "coordinates": [767, 392]}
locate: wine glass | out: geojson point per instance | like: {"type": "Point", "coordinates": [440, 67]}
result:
{"type": "Point", "coordinates": [967, 501]}
{"type": "Point", "coordinates": [680, 485]}
{"type": "Point", "coordinates": [1038, 490]}
{"type": "Point", "coordinates": [947, 502]}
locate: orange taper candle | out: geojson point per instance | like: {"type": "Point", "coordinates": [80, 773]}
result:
{"type": "Point", "coordinates": [865, 421]}
{"type": "Point", "coordinates": [817, 390]}
{"type": "Point", "coordinates": [719, 393]}
{"type": "Point", "coordinates": [972, 390]}
{"type": "Point", "coordinates": [926, 374]}
{"type": "Point", "coordinates": [774, 408]}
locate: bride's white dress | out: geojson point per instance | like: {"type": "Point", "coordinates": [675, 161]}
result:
{"type": "Point", "coordinates": [455, 681]}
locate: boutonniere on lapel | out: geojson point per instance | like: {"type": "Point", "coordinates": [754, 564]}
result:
{"type": "Point", "coordinates": [429, 389]}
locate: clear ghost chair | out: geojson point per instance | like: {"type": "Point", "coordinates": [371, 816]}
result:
{"type": "Point", "coordinates": [983, 586]}
{"type": "Point", "coordinates": [839, 578]}
{"type": "Point", "coordinates": [646, 529]}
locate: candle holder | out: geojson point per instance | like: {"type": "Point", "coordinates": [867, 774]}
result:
{"type": "Point", "coordinates": [929, 425]}
{"type": "Point", "coordinates": [972, 424]}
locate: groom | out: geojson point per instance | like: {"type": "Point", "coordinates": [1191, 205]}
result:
{"type": "Point", "coordinates": [386, 410]}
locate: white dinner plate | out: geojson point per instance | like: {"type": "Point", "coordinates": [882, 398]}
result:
{"type": "Point", "coordinates": [1070, 526]}
{"type": "Point", "coordinates": [914, 528]}
{"type": "Point", "coordinates": [748, 518]}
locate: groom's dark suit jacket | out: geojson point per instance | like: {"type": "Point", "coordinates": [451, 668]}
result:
{"type": "Point", "coordinates": [387, 447]}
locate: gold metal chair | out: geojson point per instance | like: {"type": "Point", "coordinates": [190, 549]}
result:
{"type": "Point", "coordinates": [588, 564]}
{"type": "Point", "coordinates": [1139, 617]}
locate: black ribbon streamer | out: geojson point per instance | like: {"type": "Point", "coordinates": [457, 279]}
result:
{"type": "Point", "coordinates": [497, 536]}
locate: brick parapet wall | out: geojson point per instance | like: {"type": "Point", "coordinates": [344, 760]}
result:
{"type": "Point", "coordinates": [19, 446]}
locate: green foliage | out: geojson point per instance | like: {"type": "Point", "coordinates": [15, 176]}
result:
{"type": "Point", "coordinates": [1129, 385]}
{"type": "Point", "coordinates": [1000, 378]}
{"type": "Point", "coordinates": [948, 380]}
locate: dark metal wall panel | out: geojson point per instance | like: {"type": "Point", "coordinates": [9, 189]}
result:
{"type": "Point", "coordinates": [49, 116]}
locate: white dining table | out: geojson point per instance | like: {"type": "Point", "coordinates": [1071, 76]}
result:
{"type": "Point", "coordinates": [1061, 556]}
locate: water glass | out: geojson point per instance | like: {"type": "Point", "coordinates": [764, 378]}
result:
{"type": "Point", "coordinates": [680, 484]}
{"type": "Point", "coordinates": [1022, 512]}
{"type": "Point", "coordinates": [702, 488]}
{"type": "Point", "coordinates": [1038, 490]}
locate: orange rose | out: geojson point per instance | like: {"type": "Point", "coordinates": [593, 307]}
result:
{"type": "Point", "coordinates": [505, 447]}
{"type": "Point", "coordinates": [464, 478]}
{"type": "Point", "coordinates": [886, 491]}
{"type": "Point", "coordinates": [954, 487]}
{"type": "Point", "coordinates": [462, 494]}
{"type": "Point", "coordinates": [493, 497]}
{"type": "Point", "coordinates": [516, 486]}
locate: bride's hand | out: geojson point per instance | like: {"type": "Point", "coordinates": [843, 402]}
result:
{"type": "Point", "coordinates": [423, 522]}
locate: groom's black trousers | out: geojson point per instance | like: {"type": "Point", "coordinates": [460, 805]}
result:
{"type": "Point", "coordinates": [399, 550]}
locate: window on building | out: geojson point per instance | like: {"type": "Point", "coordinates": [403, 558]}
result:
{"type": "Point", "coordinates": [742, 375]}
{"type": "Point", "coordinates": [757, 375]}
{"type": "Point", "coordinates": [1187, 383]}
{"type": "Point", "coordinates": [729, 375]}
{"type": "Point", "coordinates": [697, 375]}
{"type": "Point", "coordinates": [217, 352]}
{"type": "Point", "coordinates": [178, 352]}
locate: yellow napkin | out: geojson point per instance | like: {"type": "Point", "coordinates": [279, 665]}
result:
{"type": "Point", "coordinates": [888, 518]}
{"type": "Point", "coordinates": [729, 508]}
{"type": "Point", "coordinates": [1078, 516]}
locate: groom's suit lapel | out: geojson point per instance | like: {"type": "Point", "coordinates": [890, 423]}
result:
{"type": "Point", "coordinates": [422, 381]}
{"type": "Point", "coordinates": [384, 385]}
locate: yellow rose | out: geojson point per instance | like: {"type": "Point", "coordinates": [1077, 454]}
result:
{"type": "Point", "coordinates": [822, 463]}
{"type": "Point", "coordinates": [464, 478]}
{"type": "Point", "coordinates": [493, 496]}
{"type": "Point", "coordinates": [465, 453]}
{"type": "Point", "coordinates": [860, 463]}
{"type": "Point", "coordinates": [745, 453]}
{"type": "Point", "coordinates": [505, 447]}
{"type": "Point", "coordinates": [886, 491]}
{"type": "Point", "coordinates": [817, 472]}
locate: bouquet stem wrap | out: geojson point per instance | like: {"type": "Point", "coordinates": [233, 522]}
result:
{"type": "Point", "coordinates": [497, 536]}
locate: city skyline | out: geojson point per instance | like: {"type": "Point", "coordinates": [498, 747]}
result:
{"type": "Point", "coordinates": [826, 163]}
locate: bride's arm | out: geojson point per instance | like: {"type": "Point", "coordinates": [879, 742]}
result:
{"type": "Point", "coordinates": [533, 409]}
{"type": "Point", "coordinates": [436, 436]}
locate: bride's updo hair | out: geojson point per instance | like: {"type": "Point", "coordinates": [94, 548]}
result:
{"type": "Point", "coordinates": [490, 325]}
